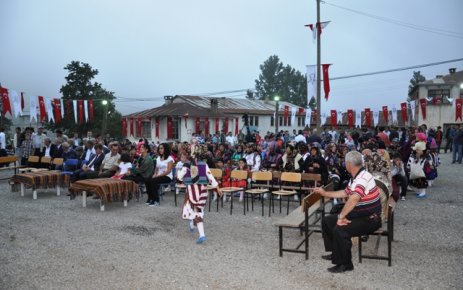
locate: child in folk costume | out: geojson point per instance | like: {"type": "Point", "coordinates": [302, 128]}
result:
{"type": "Point", "coordinates": [196, 195]}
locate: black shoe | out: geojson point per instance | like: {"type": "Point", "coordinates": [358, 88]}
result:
{"type": "Point", "coordinates": [453, 162]}
{"type": "Point", "coordinates": [327, 257]}
{"type": "Point", "coordinates": [341, 268]}
{"type": "Point", "coordinates": [364, 238]}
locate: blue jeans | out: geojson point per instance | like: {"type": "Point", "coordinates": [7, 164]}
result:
{"type": "Point", "coordinates": [457, 149]}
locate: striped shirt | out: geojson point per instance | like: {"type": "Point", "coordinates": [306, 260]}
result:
{"type": "Point", "coordinates": [364, 185]}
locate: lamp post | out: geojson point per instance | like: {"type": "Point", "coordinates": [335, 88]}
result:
{"type": "Point", "coordinates": [105, 117]}
{"type": "Point", "coordinates": [276, 99]}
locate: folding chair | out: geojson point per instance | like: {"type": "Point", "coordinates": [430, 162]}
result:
{"type": "Point", "coordinates": [261, 183]}
{"type": "Point", "coordinates": [235, 175]}
{"type": "Point", "coordinates": [289, 183]}
{"type": "Point", "coordinates": [218, 174]}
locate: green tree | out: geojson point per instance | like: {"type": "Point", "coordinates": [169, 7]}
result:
{"type": "Point", "coordinates": [80, 86]}
{"type": "Point", "coordinates": [416, 79]}
{"type": "Point", "coordinates": [282, 80]}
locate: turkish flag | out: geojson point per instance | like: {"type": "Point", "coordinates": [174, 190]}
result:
{"type": "Point", "coordinates": [170, 129]}
{"type": "Point", "coordinates": [286, 113]}
{"type": "Point", "coordinates": [458, 105]}
{"type": "Point", "coordinates": [132, 131]}
{"type": "Point", "coordinates": [300, 111]}
{"type": "Point", "coordinates": [5, 101]}
{"type": "Point", "coordinates": [68, 109]}
{"type": "Point", "coordinates": [225, 126]}
{"type": "Point", "coordinates": [90, 109]}
{"type": "Point", "coordinates": [42, 108]}
{"type": "Point", "coordinates": [368, 117]}
{"type": "Point", "coordinates": [124, 127]}
{"type": "Point", "coordinates": [314, 116]}
{"type": "Point", "coordinates": [236, 126]}
{"type": "Point", "coordinates": [334, 118]}
{"type": "Point", "coordinates": [206, 126]}
{"type": "Point", "coordinates": [197, 124]}
{"type": "Point", "coordinates": [156, 125]}
{"type": "Point", "coordinates": [423, 108]}
{"type": "Point", "coordinates": [350, 118]}
{"type": "Point", "coordinates": [22, 101]}
{"type": "Point", "coordinates": [80, 108]}
{"type": "Point", "coordinates": [404, 108]}
{"type": "Point", "coordinates": [326, 80]}
{"type": "Point", "coordinates": [185, 120]}
{"type": "Point", "coordinates": [216, 124]}
{"type": "Point", "coordinates": [57, 110]}
{"type": "Point", "coordinates": [139, 127]}
{"type": "Point", "coordinates": [386, 114]}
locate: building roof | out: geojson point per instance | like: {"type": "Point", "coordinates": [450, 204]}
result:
{"type": "Point", "coordinates": [450, 79]}
{"type": "Point", "coordinates": [173, 109]}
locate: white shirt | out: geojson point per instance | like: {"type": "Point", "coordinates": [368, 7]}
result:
{"type": "Point", "coordinates": [162, 165]}
{"type": "Point", "coordinates": [37, 140]}
{"type": "Point", "coordinates": [253, 161]}
{"type": "Point", "coordinates": [2, 140]}
{"type": "Point", "coordinates": [124, 167]}
{"type": "Point", "coordinates": [300, 138]}
{"type": "Point", "coordinates": [47, 151]}
{"type": "Point", "coordinates": [230, 140]}
{"type": "Point", "coordinates": [89, 152]}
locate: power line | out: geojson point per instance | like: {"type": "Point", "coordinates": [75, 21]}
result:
{"type": "Point", "coordinates": [402, 23]}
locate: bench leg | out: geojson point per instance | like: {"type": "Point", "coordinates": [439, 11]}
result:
{"type": "Point", "coordinates": [58, 190]}
{"type": "Point", "coordinates": [101, 205]}
{"type": "Point", "coordinates": [125, 203]}
{"type": "Point", "coordinates": [34, 194]}
{"type": "Point", "coordinates": [280, 234]}
{"type": "Point", "coordinates": [84, 198]}
{"type": "Point", "coordinates": [360, 249]}
{"type": "Point", "coordinates": [22, 189]}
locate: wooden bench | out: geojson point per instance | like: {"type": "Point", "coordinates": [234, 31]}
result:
{"type": "Point", "coordinates": [7, 160]}
{"type": "Point", "coordinates": [312, 206]}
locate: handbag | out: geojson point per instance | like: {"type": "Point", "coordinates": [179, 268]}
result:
{"type": "Point", "coordinates": [188, 212]}
{"type": "Point", "coordinates": [416, 171]}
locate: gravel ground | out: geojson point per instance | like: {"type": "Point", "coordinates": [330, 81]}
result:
{"type": "Point", "coordinates": [54, 243]}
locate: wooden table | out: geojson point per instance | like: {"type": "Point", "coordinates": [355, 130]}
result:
{"type": "Point", "coordinates": [107, 189]}
{"type": "Point", "coordinates": [42, 179]}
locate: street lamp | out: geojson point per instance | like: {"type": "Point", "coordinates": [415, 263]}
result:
{"type": "Point", "coordinates": [276, 99]}
{"type": "Point", "coordinates": [105, 117]}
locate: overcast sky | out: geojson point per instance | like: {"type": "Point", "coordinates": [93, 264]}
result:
{"type": "Point", "coordinates": [149, 48]}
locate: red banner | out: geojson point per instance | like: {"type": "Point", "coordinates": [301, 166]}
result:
{"type": "Point", "coordinates": [350, 118]}
{"type": "Point", "coordinates": [170, 129]}
{"type": "Point", "coordinates": [300, 111]}
{"type": "Point", "coordinates": [206, 126]}
{"type": "Point", "coordinates": [326, 80]}
{"type": "Point", "coordinates": [386, 114]}
{"type": "Point", "coordinates": [156, 125]}
{"type": "Point", "coordinates": [185, 120]}
{"type": "Point", "coordinates": [80, 108]}
{"type": "Point", "coordinates": [5, 101]}
{"type": "Point", "coordinates": [423, 108]}
{"type": "Point", "coordinates": [236, 126]}
{"type": "Point", "coordinates": [404, 108]}
{"type": "Point", "coordinates": [68, 112]}
{"type": "Point", "coordinates": [57, 110]}
{"type": "Point", "coordinates": [216, 125]}
{"type": "Point", "coordinates": [368, 117]}
{"type": "Point", "coordinates": [458, 105]}
{"type": "Point", "coordinates": [286, 114]}
{"type": "Point", "coordinates": [334, 118]}
{"type": "Point", "coordinates": [197, 125]}
{"type": "Point", "coordinates": [90, 110]}
{"type": "Point", "coordinates": [314, 116]}
{"type": "Point", "coordinates": [139, 127]}
{"type": "Point", "coordinates": [225, 126]}
{"type": "Point", "coordinates": [124, 127]}
{"type": "Point", "coordinates": [22, 101]}
{"type": "Point", "coordinates": [43, 112]}
{"type": "Point", "coordinates": [132, 131]}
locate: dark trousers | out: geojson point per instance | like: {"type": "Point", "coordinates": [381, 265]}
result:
{"type": "Point", "coordinates": [106, 173]}
{"type": "Point", "coordinates": [448, 145]}
{"type": "Point", "coordinates": [139, 179]}
{"type": "Point", "coordinates": [337, 239]}
{"type": "Point", "coordinates": [153, 194]}
{"type": "Point", "coordinates": [402, 182]}
{"type": "Point", "coordinates": [80, 174]}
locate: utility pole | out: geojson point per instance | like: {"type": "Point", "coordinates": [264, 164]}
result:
{"type": "Point", "coordinates": [317, 27]}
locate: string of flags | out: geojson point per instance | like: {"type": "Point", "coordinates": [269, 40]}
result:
{"type": "Point", "coordinates": [50, 110]}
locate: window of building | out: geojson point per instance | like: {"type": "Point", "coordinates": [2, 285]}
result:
{"type": "Point", "coordinates": [175, 129]}
{"type": "Point", "coordinates": [438, 96]}
{"type": "Point", "coordinates": [285, 121]}
{"type": "Point", "coordinates": [300, 121]}
{"type": "Point", "coordinates": [145, 130]}
{"type": "Point", "coordinates": [253, 120]}
{"type": "Point", "coordinates": [272, 121]}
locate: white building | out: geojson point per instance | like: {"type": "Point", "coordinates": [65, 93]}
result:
{"type": "Point", "coordinates": [186, 115]}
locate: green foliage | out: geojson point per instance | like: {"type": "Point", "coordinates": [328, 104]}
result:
{"type": "Point", "coordinates": [277, 79]}
{"type": "Point", "coordinates": [79, 86]}
{"type": "Point", "coordinates": [416, 79]}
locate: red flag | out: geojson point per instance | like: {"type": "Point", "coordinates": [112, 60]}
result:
{"type": "Point", "coordinates": [404, 109]}
{"type": "Point", "coordinates": [197, 124]}
{"type": "Point", "coordinates": [367, 117]}
{"type": "Point", "coordinates": [90, 109]}
{"type": "Point", "coordinates": [216, 124]}
{"type": "Point", "coordinates": [5, 101]}
{"type": "Point", "coordinates": [124, 127]}
{"type": "Point", "coordinates": [22, 101]}
{"type": "Point", "coordinates": [185, 120]}
{"type": "Point", "coordinates": [314, 116]}
{"type": "Point", "coordinates": [423, 108]}
{"type": "Point", "coordinates": [386, 114]}
{"type": "Point", "coordinates": [170, 129]}
{"type": "Point", "coordinates": [57, 110]}
{"type": "Point", "coordinates": [334, 117]}
{"type": "Point", "coordinates": [350, 118]}
{"type": "Point", "coordinates": [80, 109]}
{"type": "Point", "coordinates": [321, 25]}
{"type": "Point", "coordinates": [236, 126]}
{"type": "Point", "coordinates": [132, 131]}
{"type": "Point", "coordinates": [206, 126]}
{"type": "Point", "coordinates": [458, 105]}
{"type": "Point", "coordinates": [225, 125]}
{"type": "Point", "coordinates": [139, 127]}
{"type": "Point", "coordinates": [68, 109]}
{"type": "Point", "coordinates": [300, 111]}
{"type": "Point", "coordinates": [286, 113]}
{"type": "Point", "coordinates": [326, 80]}
{"type": "Point", "coordinates": [42, 108]}
{"type": "Point", "coordinates": [156, 125]}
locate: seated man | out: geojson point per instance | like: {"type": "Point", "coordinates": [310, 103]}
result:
{"type": "Point", "coordinates": [92, 169]}
{"type": "Point", "coordinates": [360, 215]}
{"type": "Point", "coordinates": [110, 162]}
